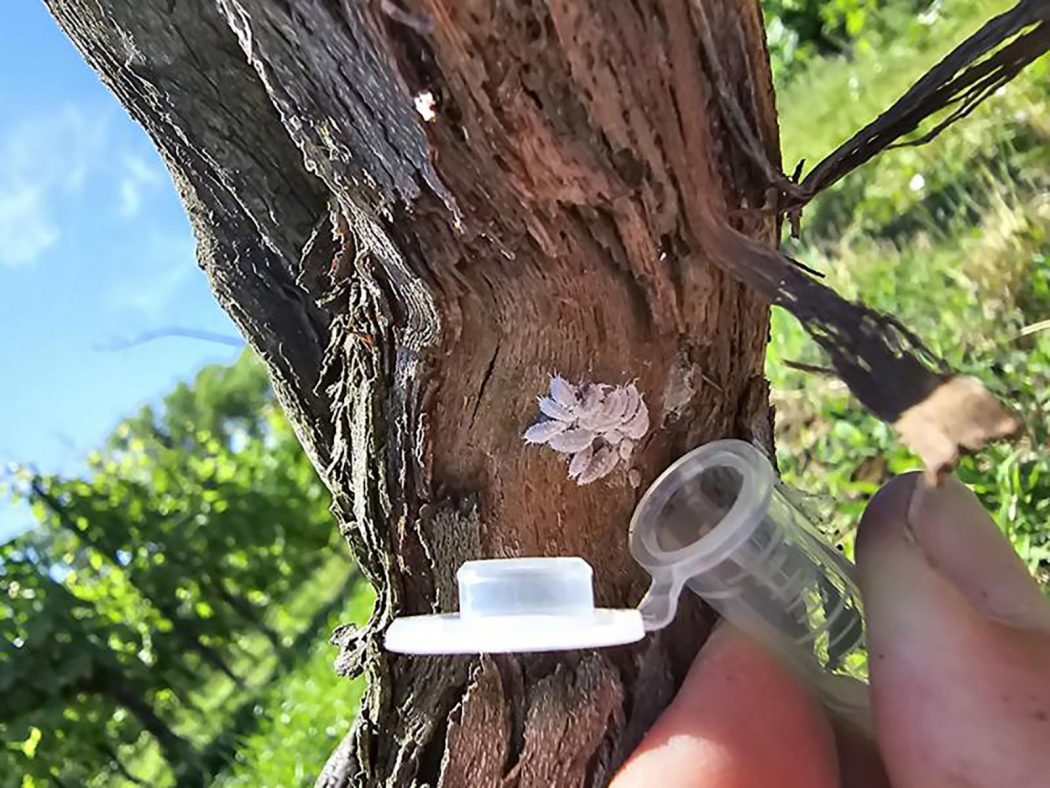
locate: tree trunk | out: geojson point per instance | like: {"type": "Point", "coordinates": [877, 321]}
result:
{"type": "Point", "coordinates": [411, 284]}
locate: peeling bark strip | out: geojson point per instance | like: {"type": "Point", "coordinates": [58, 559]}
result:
{"type": "Point", "coordinates": [574, 204]}
{"type": "Point", "coordinates": [964, 78]}
{"type": "Point", "coordinates": [938, 414]}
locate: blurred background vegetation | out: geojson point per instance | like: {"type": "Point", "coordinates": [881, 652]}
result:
{"type": "Point", "coordinates": [164, 623]}
{"type": "Point", "coordinates": [952, 237]}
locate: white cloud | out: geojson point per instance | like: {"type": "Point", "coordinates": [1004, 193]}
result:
{"type": "Point", "coordinates": [43, 158]}
{"type": "Point", "coordinates": [142, 170]}
{"type": "Point", "coordinates": [138, 177]}
{"type": "Point", "coordinates": [130, 198]}
{"type": "Point", "coordinates": [174, 263]}
{"type": "Point", "coordinates": [150, 297]}
{"type": "Point", "coordinates": [26, 228]}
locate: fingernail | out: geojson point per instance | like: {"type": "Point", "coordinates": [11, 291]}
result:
{"type": "Point", "coordinates": [963, 543]}
{"type": "Point", "coordinates": [957, 538]}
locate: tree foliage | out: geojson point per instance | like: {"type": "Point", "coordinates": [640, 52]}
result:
{"type": "Point", "coordinates": [194, 519]}
{"type": "Point", "coordinates": [799, 30]}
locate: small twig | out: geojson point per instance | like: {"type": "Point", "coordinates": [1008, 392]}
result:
{"type": "Point", "coordinates": [1034, 328]}
{"type": "Point", "coordinates": [806, 268]}
{"type": "Point", "coordinates": [809, 368]}
{"type": "Point", "coordinates": [163, 333]}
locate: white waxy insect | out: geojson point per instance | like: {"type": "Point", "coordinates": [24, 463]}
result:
{"type": "Point", "coordinates": [580, 461]}
{"type": "Point", "coordinates": [598, 425]}
{"type": "Point", "coordinates": [555, 410]}
{"type": "Point", "coordinates": [639, 423]}
{"type": "Point", "coordinates": [615, 405]}
{"type": "Point", "coordinates": [571, 441]}
{"type": "Point", "coordinates": [563, 392]}
{"type": "Point", "coordinates": [545, 430]}
{"type": "Point", "coordinates": [634, 401]}
{"type": "Point", "coordinates": [601, 464]}
{"type": "Point", "coordinates": [598, 422]}
{"type": "Point", "coordinates": [608, 415]}
{"type": "Point", "coordinates": [591, 399]}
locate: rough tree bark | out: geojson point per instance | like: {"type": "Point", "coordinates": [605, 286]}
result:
{"type": "Point", "coordinates": [411, 284]}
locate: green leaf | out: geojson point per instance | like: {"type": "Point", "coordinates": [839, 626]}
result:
{"type": "Point", "coordinates": [30, 744]}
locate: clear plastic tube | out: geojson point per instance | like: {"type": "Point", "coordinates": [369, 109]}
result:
{"type": "Point", "coordinates": [716, 522]}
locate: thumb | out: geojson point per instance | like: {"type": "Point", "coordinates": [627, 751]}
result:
{"type": "Point", "coordinates": [959, 641]}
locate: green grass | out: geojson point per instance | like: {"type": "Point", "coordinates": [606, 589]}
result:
{"type": "Point", "coordinates": [922, 189]}
{"type": "Point", "coordinates": [953, 238]}
{"type": "Point", "coordinates": [305, 715]}
{"type": "Point", "coordinates": [256, 661]}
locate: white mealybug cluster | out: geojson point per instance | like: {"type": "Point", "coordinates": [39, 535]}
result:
{"type": "Point", "coordinates": [595, 424]}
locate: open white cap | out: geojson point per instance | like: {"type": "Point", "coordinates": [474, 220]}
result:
{"type": "Point", "coordinates": [518, 604]}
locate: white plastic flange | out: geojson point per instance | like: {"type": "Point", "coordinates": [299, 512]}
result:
{"type": "Point", "coordinates": [518, 605]}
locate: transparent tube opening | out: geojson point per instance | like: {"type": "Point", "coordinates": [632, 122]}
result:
{"type": "Point", "coordinates": [716, 523]}
{"type": "Point", "coordinates": [693, 510]}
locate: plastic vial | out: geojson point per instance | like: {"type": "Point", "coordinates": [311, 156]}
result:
{"type": "Point", "coordinates": [717, 523]}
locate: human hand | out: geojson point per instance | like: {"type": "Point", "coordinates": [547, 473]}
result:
{"type": "Point", "coordinates": [959, 644]}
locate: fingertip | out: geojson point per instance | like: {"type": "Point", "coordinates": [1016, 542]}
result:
{"type": "Point", "coordinates": [908, 524]}
{"type": "Point", "coordinates": [886, 516]}
{"type": "Point", "coordinates": [966, 547]}
{"type": "Point", "coordinates": [740, 720]}
{"type": "Point", "coordinates": [945, 670]}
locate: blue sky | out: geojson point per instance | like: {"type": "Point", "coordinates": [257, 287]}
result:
{"type": "Point", "coordinates": [94, 250]}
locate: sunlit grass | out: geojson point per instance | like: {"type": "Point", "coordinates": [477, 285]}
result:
{"type": "Point", "coordinates": [256, 662]}
{"type": "Point", "coordinates": [924, 188]}
{"type": "Point", "coordinates": [305, 715]}
{"type": "Point", "coordinates": [952, 238]}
